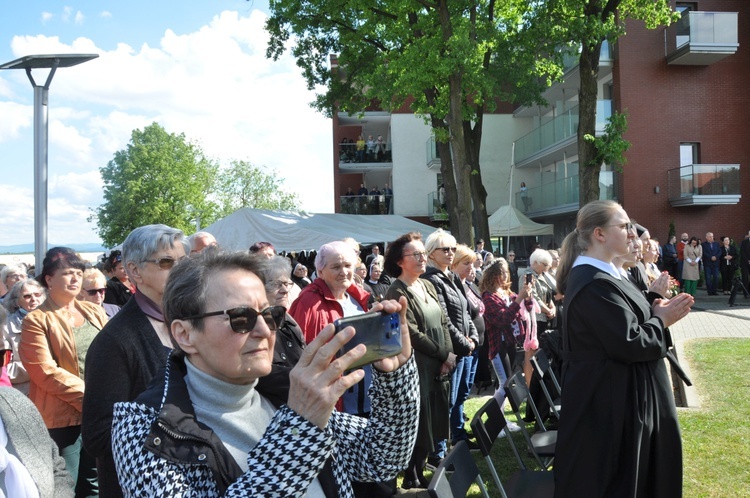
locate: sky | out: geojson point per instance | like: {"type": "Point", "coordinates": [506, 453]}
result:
{"type": "Point", "coordinates": [194, 67]}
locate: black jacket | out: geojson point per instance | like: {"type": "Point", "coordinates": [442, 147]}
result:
{"type": "Point", "coordinates": [455, 306]}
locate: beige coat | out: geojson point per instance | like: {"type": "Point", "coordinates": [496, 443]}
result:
{"type": "Point", "coordinates": [48, 351]}
{"type": "Point", "coordinates": [691, 272]}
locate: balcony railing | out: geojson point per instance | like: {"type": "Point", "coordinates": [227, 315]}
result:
{"type": "Point", "coordinates": [572, 58]}
{"type": "Point", "coordinates": [436, 206]}
{"type": "Point", "coordinates": [557, 129]}
{"type": "Point", "coordinates": [704, 184]}
{"type": "Point", "coordinates": [702, 38]}
{"type": "Point", "coordinates": [348, 153]}
{"type": "Point", "coordinates": [366, 204]}
{"type": "Point", "coordinates": [561, 195]}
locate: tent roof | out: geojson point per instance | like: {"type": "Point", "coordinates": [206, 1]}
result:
{"type": "Point", "coordinates": [510, 222]}
{"type": "Point", "coordinates": [289, 231]}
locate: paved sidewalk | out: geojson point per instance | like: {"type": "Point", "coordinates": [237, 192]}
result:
{"type": "Point", "coordinates": [712, 316]}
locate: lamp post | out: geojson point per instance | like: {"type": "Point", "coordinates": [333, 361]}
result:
{"type": "Point", "coordinates": [41, 97]}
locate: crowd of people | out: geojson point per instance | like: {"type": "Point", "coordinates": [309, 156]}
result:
{"type": "Point", "coordinates": [173, 367]}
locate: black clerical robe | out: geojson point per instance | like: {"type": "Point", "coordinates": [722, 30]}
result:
{"type": "Point", "coordinates": [618, 434]}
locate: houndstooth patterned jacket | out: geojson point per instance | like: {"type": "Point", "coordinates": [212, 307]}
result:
{"type": "Point", "coordinates": [160, 449]}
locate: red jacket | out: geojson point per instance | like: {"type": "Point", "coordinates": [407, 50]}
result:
{"type": "Point", "coordinates": [316, 307]}
{"type": "Point", "coordinates": [680, 250]}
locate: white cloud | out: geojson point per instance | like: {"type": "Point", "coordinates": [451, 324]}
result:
{"type": "Point", "coordinates": [79, 18]}
{"type": "Point", "coordinates": [106, 14]}
{"type": "Point", "coordinates": [15, 118]}
{"type": "Point", "coordinates": [46, 17]}
{"type": "Point", "coordinates": [66, 13]}
{"type": "Point", "coordinates": [214, 84]}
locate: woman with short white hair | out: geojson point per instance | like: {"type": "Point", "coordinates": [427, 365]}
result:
{"type": "Point", "coordinates": [441, 250]}
{"type": "Point", "coordinates": [93, 289]}
{"type": "Point", "coordinates": [24, 297]}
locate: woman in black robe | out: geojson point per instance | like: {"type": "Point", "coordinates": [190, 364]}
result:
{"type": "Point", "coordinates": [618, 434]}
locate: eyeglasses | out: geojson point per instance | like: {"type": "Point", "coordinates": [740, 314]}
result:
{"type": "Point", "coordinates": [164, 263]}
{"type": "Point", "coordinates": [280, 284]}
{"type": "Point", "coordinates": [29, 296]}
{"type": "Point", "coordinates": [419, 256]}
{"type": "Point", "coordinates": [15, 276]}
{"type": "Point", "coordinates": [627, 226]}
{"type": "Point", "coordinates": [243, 318]}
{"type": "Point", "coordinates": [446, 250]}
{"type": "Point", "coordinates": [93, 292]}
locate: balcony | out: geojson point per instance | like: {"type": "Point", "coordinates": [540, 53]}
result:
{"type": "Point", "coordinates": [704, 185]}
{"type": "Point", "coordinates": [557, 133]}
{"type": "Point", "coordinates": [366, 204]}
{"type": "Point", "coordinates": [702, 38]}
{"type": "Point", "coordinates": [561, 196]}
{"type": "Point", "coordinates": [351, 161]}
{"type": "Point", "coordinates": [436, 207]}
{"type": "Point", "coordinates": [563, 90]}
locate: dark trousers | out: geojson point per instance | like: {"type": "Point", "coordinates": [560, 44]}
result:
{"type": "Point", "coordinates": [711, 271]}
{"type": "Point", "coordinates": [79, 464]}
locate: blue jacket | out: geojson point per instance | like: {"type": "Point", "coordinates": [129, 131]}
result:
{"type": "Point", "coordinates": [711, 249]}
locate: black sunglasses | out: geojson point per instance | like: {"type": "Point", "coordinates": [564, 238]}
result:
{"type": "Point", "coordinates": [93, 292]}
{"type": "Point", "coordinates": [243, 319]}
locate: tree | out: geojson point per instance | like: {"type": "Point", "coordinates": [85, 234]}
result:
{"type": "Point", "coordinates": [244, 185]}
{"type": "Point", "coordinates": [159, 177]}
{"type": "Point", "coordinates": [586, 24]}
{"type": "Point", "coordinates": [451, 59]}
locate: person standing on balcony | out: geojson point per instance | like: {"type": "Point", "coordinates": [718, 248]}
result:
{"type": "Point", "coordinates": [380, 148]}
{"type": "Point", "coordinates": [388, 193]}
{"type": "Point", "coordinates": [525, 196]}
{"type": "Point", "coordinates": [371, 145]}
{"type": "Point", "coordinates": [360, 155]}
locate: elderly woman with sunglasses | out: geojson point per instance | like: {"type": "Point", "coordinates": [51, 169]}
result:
{"type": "Point", "coordinates": [93, 289]}
{"type": "Point", "coordinates": [441, 250]}
{"type": "Point", "coordinates": [24, 297]}
{"type": "Point", "coordinates": [129, 351]}
{"type": "Point", "coordinates": [205, 427]}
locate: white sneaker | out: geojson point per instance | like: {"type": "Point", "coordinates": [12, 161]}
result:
{"type": "Point", "coordinates": [512, 427]}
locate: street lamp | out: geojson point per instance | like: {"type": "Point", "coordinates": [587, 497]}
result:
{"type": "Point", "coordinates": [41, 96]}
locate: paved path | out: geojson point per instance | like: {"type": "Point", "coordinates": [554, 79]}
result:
{"type": "Point", "coordinates": [712, 316]}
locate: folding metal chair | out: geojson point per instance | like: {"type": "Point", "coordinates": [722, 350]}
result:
{"type": "Point", "coordinates": [541, 444]}
{"type": "Point", "coordinates": [540, 364]}
{"type": "Point", "coordinates": [464, 472]}
{"type": "Point", "coordinates": [487, 425]}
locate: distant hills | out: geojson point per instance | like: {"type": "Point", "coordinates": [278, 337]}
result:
{"type": "Point", "coordinates": [29, 248]}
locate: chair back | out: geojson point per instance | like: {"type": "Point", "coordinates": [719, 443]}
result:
{"type": "Point", "coordinates": [465, 473]}
{"type": "Point", "coordinates": [518, 393]}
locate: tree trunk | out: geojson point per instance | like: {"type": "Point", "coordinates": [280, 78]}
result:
{"type": "Point", "coordinates": [478, 192]}
{"type": "Point", "coordinates": [588, 176]}
{"type": "Point", "coordinates": [446, 170]}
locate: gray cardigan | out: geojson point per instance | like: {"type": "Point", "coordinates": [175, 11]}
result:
{"type": "Point", "coordinates": [29, 440]}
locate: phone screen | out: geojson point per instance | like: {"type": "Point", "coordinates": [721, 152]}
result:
{"type": "Point", "coordinates": [379, 332]}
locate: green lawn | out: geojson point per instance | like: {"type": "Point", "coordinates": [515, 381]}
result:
{"type": "Point", "coordinates": [716, 436]}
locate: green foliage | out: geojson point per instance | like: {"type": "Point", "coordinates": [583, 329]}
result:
{"type": "Point", "coordinates": [610, 146]}
{"type": "Point", "coordinates": [159, 177]}
{"type": "Point", "coordinates": [244, 185]}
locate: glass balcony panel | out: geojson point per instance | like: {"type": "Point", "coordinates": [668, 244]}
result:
{"type": "Point", "coordinates": [366, 204]}
{"type": "Point", "coordinates": [707, 180]}
{"type": "Point", "coordinates": [562, 193]}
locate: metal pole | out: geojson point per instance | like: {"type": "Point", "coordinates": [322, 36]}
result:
{"type": "Point", "coordinates": [41, 127]}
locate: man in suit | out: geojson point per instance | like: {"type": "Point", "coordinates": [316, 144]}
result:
{"type": "Point", "coordinates": [711, 259]}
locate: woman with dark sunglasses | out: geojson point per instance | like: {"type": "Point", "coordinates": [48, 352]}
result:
{"type": "Point", "coordinates": [93, 289]}
{"type": "Point", "coordinates": [129, 351]}
{"type": "Point", "coordinates": [206, 428]}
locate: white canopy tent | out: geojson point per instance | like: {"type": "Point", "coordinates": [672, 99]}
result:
{"type": "Point", "coordinates": [289, 231]}
{"type": "Point", "coordinates": [510, 222]}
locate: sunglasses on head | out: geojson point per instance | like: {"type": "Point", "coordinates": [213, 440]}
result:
{"type": "Point", "coordinates": [93, 292]}
{"type": "Point", "coordinates": [243, 319]}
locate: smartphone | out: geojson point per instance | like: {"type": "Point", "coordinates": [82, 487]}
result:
{"type": "Point", "coordinates": [380, 332]}
{"type": "Point", "coordinates": [529, 278]}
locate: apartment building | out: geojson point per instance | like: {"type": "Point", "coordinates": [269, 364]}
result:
{"type": "Point", "coordinates": [684, 89]}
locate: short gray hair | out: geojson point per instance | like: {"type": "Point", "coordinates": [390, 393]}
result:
{"type": "Point", "coordinates": [8, 269]}
{"type": "Point", "coordinates": [11, 300]}
{"type": "Point", "coordinates": [93, 274]}
{"type": "Point", "coordinates": [196, 235]}
{"type": "Point", "coordinates": [186, 291]}
{"type": "Point", "coordinates": [540, 256]}
{"type": "Point", "coordinates": [327, 251]}
{"type": "Point", "coordinates": [275, 268]}
{"type": "Point", "coordinates": [146, 240]}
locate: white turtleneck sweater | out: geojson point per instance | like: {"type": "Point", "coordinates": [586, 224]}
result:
{"type": "Point", "coordinates": [238, 414]}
